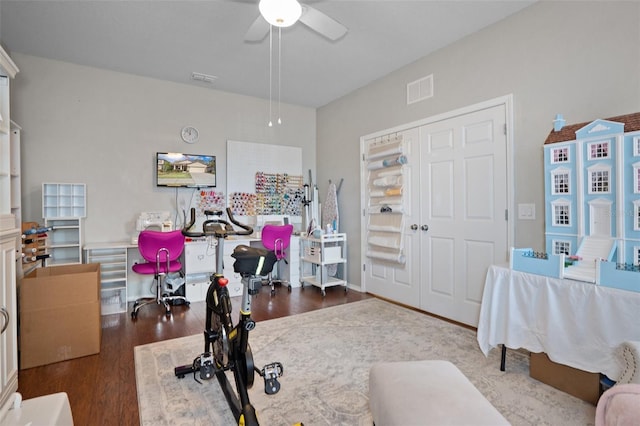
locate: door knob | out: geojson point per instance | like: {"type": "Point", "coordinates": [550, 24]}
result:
{"type": "Point", "coordinates": [414, 227]}
{"type": "Point", "coordinates": [424, 227]}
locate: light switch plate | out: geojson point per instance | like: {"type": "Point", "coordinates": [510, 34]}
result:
{"type": "Point", "coordinates": [527, 211]}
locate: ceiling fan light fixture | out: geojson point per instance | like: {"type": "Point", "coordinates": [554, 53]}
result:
{"type": "Point", "coordinates": [280, 13]}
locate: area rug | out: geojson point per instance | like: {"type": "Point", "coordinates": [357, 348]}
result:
{"type": "Point", "coordinates": [327, 355]}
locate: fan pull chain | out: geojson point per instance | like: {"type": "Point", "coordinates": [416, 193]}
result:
{"type": "Point", "coordinates": [270, 71]}
{"type": "Point", "coordinates": [279, 71]}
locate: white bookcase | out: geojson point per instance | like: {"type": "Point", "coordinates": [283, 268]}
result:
{"type": "Point", "coordinates": [16, 193]}
{"type": "Point", "coordinates": [64, 205]}
{"type": "Point", "coordinates": [64, 242]}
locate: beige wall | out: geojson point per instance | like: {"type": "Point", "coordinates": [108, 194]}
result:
{"type": "Point", "coordinates": [580, 59]}
{"type": "Point", "coordinates": [103, 128]}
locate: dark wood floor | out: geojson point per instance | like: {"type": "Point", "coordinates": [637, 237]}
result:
{"type": "Point", "coordinates": [102, 387]}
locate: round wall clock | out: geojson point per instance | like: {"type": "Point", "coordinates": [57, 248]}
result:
{"type": "Point", "coordinates": [189, 134]}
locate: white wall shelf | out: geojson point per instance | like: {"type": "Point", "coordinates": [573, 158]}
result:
{"type": "Point", "coordinates": [64, 200]}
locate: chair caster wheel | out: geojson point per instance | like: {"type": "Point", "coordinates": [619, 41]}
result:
{"type": "Point", "coordinates": [134, 315]}
{"type": "Point", "coordinates": [289, 288]}
{"type": "Point", "coordinates": [273, 292]}
{"type": "Point", "coordinates": [167, 314]}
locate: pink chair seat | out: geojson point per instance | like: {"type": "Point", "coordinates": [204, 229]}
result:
{"type": "Point", "coordinates": [150, 268]}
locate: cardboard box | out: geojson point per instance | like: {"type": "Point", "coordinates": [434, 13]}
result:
{"type": "Point", "coordinates": [581, 384]}
{"type": "Point", "coordinates": [59, 314]}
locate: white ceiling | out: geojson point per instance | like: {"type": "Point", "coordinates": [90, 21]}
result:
{"type": "Point", "coordinates": [171, 39]}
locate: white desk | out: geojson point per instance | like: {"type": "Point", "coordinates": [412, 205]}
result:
{"type": "Point", "coordinates": [575, 323]}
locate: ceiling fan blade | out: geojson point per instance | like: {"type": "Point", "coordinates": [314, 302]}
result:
{"type": "Point", "coordinates": [321, 23]}
{"type": "Point", "coordinates": [258, 30]}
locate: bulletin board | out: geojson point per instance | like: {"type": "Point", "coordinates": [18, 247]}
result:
{"type": "Point", "coordinates": [246, 159]}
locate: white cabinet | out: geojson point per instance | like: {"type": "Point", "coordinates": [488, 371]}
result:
{"type": "Point", "coordinates": [323, 261]}
{"type": "Point", "coordinates": [9, 231]}
{"type": "Point", "coordinates": [8, 165]}
{"type": "Point", "coordinates": [199, 262]}
{"type": "Point", "coordinates": [293, 253]}
{"type": "Point", "coordinates": [235, 280]}
{"type": "Point", "coordinates": [8, 315]}
{"type": "Point", "coordinates": [113, 274]}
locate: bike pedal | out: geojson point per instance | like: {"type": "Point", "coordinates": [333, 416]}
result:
{"type": "Point", "coordinates": [207, 369]}
{"type": "Point", "coordinates": [271, 372]}
{"type": "Point", "coordinates": [271, 386]}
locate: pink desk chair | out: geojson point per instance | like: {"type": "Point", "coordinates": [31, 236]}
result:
{"type": "Point", "coordinates": [277, 238]}
{"type": "Point", "coordinates": [161, 251]}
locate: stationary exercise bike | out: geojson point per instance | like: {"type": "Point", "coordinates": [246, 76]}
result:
{"type": "Point", "coordinates": [226, 347]}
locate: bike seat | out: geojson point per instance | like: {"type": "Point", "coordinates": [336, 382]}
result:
{"type": "Point", "coordinates": [253, 260]}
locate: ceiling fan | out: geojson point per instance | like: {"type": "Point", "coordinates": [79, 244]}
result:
{"type": "Point", "coordinates": [284, 13]}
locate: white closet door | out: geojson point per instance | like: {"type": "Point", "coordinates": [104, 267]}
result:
{"type": "Point", "coordinates": [463, 202]}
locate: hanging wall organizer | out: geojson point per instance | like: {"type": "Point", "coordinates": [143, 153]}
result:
{"type": "Point", "coordinates": [386, 157]}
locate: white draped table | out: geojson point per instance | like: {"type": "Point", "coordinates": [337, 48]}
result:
{"type": "Point", "coordinates": [575, 323]}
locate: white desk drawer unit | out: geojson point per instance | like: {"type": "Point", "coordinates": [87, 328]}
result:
{"type": "Point", "coordinates": [199, 262]}
{"type": "Point", "coordinates": [235, 280]}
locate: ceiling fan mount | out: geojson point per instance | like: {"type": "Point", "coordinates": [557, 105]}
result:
{"type": "Point", "coordinates": [286, 13]}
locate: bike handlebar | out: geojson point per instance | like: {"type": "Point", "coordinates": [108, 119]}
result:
{"type": "Point", "coordinates": [219, 231]}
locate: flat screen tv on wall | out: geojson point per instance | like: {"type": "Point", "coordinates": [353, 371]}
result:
{"type": "Point", "coordinates": [185, 170]}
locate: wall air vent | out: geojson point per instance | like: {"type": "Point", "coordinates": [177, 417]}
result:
{"type": "Point", "coordinates": [420, 89]}
{"type": "Point", "coordinates": [204, 78]}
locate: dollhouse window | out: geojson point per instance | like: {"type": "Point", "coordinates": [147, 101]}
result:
{"type": "Point", "coordinates": [636, 215]}
{"type": "Point", "coordinates": [560, 155]}
{"type": "Point", "coordinates": [598, 150]}
{"type": "Point", "coordinates": [636, 146]}
{"type": "Point", "coordinates": [562, 247]}
{"type": "Point", "coordinates": [636, 178]}
{"type": "Point", "coordinates": [561, 215]}
{"type": "Point", "coordinates": [636, 255]}
{"type": "Point", "coordinates": [599, 181]}
{"type": "Point", "coordinates": [560, 183]}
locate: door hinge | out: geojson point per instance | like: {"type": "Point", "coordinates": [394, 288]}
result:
{"type": "Point", "coordinates": [506, 214]}
{"type": "Point", "coordinates": [364, 267]}
{"type": "Point", "coordinates": [362, 157]}
{"type": "Point", "coordinates": [504, 129]}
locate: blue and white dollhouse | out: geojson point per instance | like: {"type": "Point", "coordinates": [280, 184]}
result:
{"type": "Point", "coordinates": [592, 204]}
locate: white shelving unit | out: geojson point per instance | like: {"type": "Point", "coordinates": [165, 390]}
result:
{"type": "Point", "coordinates": [64, 243]}
{"type": "Point", "coordinates": [112, 258]}
{"type": "Point", "coordinates": [14, 171]}
{"type": "Point", "coordinates": [323, 261]}
{"type": "Point", "coordinates": [64, 205]}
